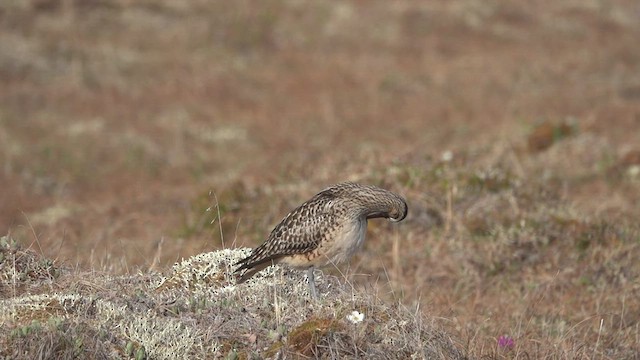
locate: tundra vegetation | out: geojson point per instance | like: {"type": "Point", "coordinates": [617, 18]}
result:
{"type": "Point", "coordinates": [145, 145]}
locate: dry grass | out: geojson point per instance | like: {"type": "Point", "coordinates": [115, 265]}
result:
{"type": "Point", "coordinates": [512, 129]}
{"type": "Point", "coordinates": [198, 311]}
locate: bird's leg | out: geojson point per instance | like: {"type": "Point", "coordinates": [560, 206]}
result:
{"type": "Point", "coordinates": [312, 283]}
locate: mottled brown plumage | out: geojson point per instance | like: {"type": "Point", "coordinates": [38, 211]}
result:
{"type": "Point", "coordinates": [327, 229]}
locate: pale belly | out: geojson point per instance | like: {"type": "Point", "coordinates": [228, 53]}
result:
{"type": "Point", "coordinates": [346, 245]}
{"type": "Point", "coordinates": [335, 250]}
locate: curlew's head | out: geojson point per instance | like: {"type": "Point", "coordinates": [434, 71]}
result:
{"type": "Point", "coordinates": [370, 201]}
{"type": "Point", "coordinates": [398, 211]}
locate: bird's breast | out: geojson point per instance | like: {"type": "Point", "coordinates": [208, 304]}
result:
{"type": "Point", "coordinates": [347, 241]}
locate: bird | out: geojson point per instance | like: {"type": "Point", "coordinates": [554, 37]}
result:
{"type": "Point", "coordinates": [325, 230]}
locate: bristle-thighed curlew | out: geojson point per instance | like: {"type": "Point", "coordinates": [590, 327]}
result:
{"type": "Point", "coordinates": [326, 230]}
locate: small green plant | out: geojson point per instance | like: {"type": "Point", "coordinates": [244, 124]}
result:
{"type": "Point", "coordinates": [232, 355]}
{"type": "Point", "coordinates": [26, 330]}
{"type": "Point", "coordinates": [198, 304]}
{"type": "Point", "coordinates": [135, 350]}
{"type": "Point", "coordinates": [141, 354]}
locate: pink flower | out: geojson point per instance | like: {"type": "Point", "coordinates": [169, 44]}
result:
{"type": "Point", "coordinates": [506, 342]}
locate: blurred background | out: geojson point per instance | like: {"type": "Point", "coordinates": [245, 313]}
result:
{"type": "Point", "coordinates": [136, 133]}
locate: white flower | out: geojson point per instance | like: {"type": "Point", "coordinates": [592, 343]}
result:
{"type": "Point", "coordinates": [355, 317]}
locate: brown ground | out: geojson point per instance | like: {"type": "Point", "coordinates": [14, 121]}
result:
{"type": "Point", "coordinates": [121, 122]}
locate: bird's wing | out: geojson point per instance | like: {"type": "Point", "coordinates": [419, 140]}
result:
{"type": "Point", "coordinates": [301, 231]}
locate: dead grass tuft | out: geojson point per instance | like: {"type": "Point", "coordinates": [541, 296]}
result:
{"type": "Point", "coordinates": [306, 338]}
{"type": "Point", "coordinates": [23, 270]}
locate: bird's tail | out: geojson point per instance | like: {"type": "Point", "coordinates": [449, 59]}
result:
{"type": "Point", "coordinates": [252, 264]}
